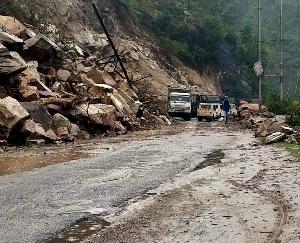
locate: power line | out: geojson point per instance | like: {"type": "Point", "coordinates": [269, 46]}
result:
{"type": "Point", "coordinates": [259, 47]}
{"type": "Point", "coordinates": [281, 50]}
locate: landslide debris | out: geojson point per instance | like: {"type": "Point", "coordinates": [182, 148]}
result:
{"type": "Point", "coordinates": [50, 92]}
{"type": "Point", "coordinates": [269, 127]}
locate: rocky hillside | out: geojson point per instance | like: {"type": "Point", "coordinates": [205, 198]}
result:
{"type": "Point", "coordinates": [60, 79]}
{"type": "Point", "coordinates": [76, 21]}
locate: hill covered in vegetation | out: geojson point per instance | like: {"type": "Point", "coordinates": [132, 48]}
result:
{"type": "Point", "coordinates": [225, 33]}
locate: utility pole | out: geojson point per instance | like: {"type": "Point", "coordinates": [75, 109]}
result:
{"type": "Point", "coordinates": [281, 50]}
{"type": "Point", "coordinates": [112, 45]}
{"type": "Point", "coordinates": [259, 47]}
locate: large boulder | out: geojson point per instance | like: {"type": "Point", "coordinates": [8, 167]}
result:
{"type": "Point", "coordinates": [33, 130]}
{"type": "Point", "coordinates": [100, 77]}
{"type": "Point", "coordinates": [30, 75]}
{"type": "Point", "coordinates": [42, 49]}
{"type": "Point", "coordinates": [97, 114]}
{"type": "Point", "coordinates": [11, 113]}
{"type": "Point", "coordinates": [120, 103]}
{"type": "Point", "coordinates": [268, 126]}
{"type": "Point", "coordinates": [96, 76]}
{"type": "Point", "coordinates": [129, 100]}
{"type": "Point", "coordinates": [87, 81]}
{"type": "Point", "coordinates": [38, 113]}
{"type": "Point", "coordinates": [2, 48]}
{"type": "Point", "coordinates": [10, 39]}
{"type": "Point", "coordinates": [60, 121]}
{"type": "Point", "coordinates": [11, 62]}
{"type": "Point", "coordinates": [130, 92]}
{"type": "Point", "coordinates": [107, 79]}
{"type": "Point", "coordinates": [117, 103]}
{"type": "Point", "coordinates": [100, 89]}
{"type": "Point", "coordinates": [63, 127]}
{"type": "Point", "coordinates": [12, 25]}
{"type": "Point", "coordinates": [275, 137]}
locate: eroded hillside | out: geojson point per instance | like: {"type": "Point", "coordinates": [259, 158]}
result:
{"type": "Point", "coordinates": [76, 21]}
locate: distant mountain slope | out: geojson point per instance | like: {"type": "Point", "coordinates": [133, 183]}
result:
{"type": "Point", "coordinates": [225, 32]}
{"type": "Point", "coordinates": [74, 21]}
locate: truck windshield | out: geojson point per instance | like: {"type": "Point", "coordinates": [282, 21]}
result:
{"type": "Point", "coordinates": [180, 98]}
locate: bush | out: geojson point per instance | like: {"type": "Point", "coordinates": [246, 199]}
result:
{"type": "Point", "coordinates": [26, 12]}
{"type": "Point", "coordinates": [286, 107]}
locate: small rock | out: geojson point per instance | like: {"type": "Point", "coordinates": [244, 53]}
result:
{"type": "Point", "coordinates": [63, 133]}
{"type": "Point", "coordinates": [29, 93]}
{"type": "Point", "coordinates": [287, 130]}
{"type": "Point", "coordinates": [166, 120]}
{"type": "Point", "coordinates": [268, 114]}
{"type": "Point", "coordinates": [134, 56]}
{"type": "Point", "coordinates": [63, 75]}
{"type": "Point", "coordinates": [121, 130]}
{"type": "Point", "coordinates": [35, 142]}
{"type": "Point", "coordinates": [74, 131]}
{"type": "Point", "coordinates": [3, 143]}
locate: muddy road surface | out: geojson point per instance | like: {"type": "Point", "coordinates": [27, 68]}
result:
{"type": "Point", "coordinates": [199, 184]}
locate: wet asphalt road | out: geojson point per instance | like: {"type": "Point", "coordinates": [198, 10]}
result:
{"type": "Point", "coordinates": [37, 204]}
{"type": "Point", "coordinates": [204, 184]}
{"type": "Point", "coordinates": [239, 192]}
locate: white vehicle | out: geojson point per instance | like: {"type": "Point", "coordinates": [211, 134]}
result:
{"type": "Point", "coordinates": [209, 108]}
{"type": "Point", "coordinates": [210, 112]}
{"type": "Point", "coordinates": [180, 104]}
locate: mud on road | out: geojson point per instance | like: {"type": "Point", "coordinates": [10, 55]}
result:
{"type": "Point", "coordinates": [237, 193]}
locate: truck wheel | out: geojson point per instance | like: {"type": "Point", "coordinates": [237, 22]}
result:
{"type": "Point", "coordinates": [200, 119]}
{"type": "Point", "coordinates": [188, 117]}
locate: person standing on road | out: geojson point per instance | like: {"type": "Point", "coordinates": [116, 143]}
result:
{"type": "Point", "coordinates": [226, 109]}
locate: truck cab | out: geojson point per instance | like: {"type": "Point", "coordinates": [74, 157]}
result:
{"type": "Point", "coordinates": [180, 103]}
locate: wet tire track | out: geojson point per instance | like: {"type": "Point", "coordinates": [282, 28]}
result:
{"type": "Point", "coordinates": [281, 206]}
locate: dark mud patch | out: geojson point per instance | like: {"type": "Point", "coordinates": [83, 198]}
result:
{"type": "Point", "coordinates": [215, 157]}
{"type": "Point", "coordinates": [80, 231]}
{"type": "Point", "coordinates": [28, 162]}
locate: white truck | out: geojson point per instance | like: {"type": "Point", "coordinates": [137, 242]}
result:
{"type": "Point", "coordinates": [209, 108]}
{"type": "Point", "coordinates": [180, 103]}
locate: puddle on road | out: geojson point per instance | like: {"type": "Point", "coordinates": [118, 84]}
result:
{"type": "Point", "coordinates": [80, 231]}
{"type": "Point", "coordinates": [215, 157]}
{"type": "Point", "coordinates": [15, 164]}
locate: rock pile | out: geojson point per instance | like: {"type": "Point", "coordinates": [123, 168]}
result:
{"type": "Point", "coordinates": [272, 128]}
{"type": "Point", "coordinates": [51, 93]}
